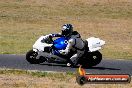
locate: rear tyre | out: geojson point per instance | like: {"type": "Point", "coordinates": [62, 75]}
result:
{"type": "Point", "coordinates": [31, 57]}
{"type": "Point", "coordinates": [93, 59]}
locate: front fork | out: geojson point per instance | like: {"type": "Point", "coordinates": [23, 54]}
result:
{"type": "Point", "coordinates": [37, 51]}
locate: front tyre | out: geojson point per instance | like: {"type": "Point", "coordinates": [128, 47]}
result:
{"type": "Point", "coordinates": [31, 57]}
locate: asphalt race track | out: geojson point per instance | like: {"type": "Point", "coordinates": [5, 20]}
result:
{"type": "Point", "coordinates": [105, 67]}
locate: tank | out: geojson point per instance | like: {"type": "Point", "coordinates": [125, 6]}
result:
{"type": "Point", "coordinates": [59, 44]}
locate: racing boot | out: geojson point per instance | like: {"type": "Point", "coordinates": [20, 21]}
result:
{"type": "Point", "coordinates": [71, 64]}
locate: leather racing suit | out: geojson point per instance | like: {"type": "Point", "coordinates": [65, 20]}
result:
{"type": "Point", "coordinates": [76, 44]}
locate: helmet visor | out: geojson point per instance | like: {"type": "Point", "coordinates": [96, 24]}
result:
{"type": "Point", "coordinates": [65, 33]}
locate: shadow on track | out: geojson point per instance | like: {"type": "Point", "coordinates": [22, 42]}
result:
{"type": "Point", "coordinates": [52, 64]}
{"type": "Point", "coordinates": [64, 65]}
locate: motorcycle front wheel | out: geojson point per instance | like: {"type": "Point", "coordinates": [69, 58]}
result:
{"type": "Point", "coordinates": [31, 57]}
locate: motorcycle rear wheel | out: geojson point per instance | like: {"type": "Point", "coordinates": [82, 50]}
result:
{"type": "Point", "coordinates": [92, 59]}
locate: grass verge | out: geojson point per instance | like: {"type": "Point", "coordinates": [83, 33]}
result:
{"type": "Point", "coordinates": [34, 79]}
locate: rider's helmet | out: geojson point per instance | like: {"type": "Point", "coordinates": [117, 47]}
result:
{"type": "Point", "coordinates": [67, 30]}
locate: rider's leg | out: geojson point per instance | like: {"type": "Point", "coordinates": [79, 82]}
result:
{"type": "Point", "coordinates": [74, 59]}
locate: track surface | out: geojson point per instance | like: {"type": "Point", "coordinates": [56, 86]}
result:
{"type": "Point", "coordinates": [105, 67]}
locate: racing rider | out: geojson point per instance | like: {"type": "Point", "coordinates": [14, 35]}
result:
{"type": "Point", "coordinates": [75, 43]}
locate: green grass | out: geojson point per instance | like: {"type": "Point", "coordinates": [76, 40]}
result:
{"type": "Point", "coordinates": [58, 75]}
{"type": "Point", "coordinates": [23, 21]}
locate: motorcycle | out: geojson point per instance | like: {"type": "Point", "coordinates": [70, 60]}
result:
{"type": "Point", "coordinates": [50, 52]}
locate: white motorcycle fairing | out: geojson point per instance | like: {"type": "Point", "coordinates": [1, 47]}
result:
{"type": "Point", "coordinates": [39, 45]}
